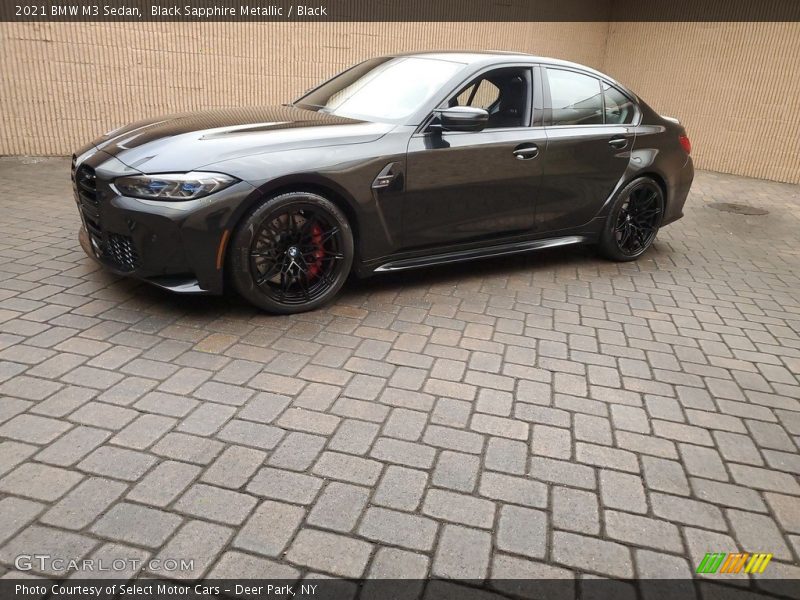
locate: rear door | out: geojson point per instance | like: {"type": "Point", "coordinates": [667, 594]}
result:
{"type": "Point", "coordinates": [590, 137]}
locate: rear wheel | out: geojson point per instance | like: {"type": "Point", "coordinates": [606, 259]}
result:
{"type": "Point", "coordinates": [292, 253]}
{"type": "Point", "coordinates": [634, 220]}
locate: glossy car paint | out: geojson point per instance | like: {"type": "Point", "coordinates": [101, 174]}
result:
{"type": "Point", "coordinates": [413, 196]}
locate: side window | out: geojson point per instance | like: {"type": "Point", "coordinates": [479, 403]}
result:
{"type": "Point", "coordinates": [483, 97]}
{"type": "Point", "coordinates": [486, 96]}
{"type": "Point", "coordinates": [575, 98]}
{"type": "Point", "coordinates": [504, 93]}
{"type": "Point", "coordinates": [465, 97]}
{"type": "Point", "coordinates": [619, 108]}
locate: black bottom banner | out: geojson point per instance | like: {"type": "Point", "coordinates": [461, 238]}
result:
{"type": "Point", "coordinates": [323, 588]}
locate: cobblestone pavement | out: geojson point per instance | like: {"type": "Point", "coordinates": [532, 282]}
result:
{"type": "Point", "coordinates": [546, 415]}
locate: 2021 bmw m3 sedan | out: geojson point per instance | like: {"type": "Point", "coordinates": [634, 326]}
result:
{"type": "Point", "coordinates": [399, 162]}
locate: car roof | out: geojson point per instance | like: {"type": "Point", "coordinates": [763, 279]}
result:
{"type": "Point", "coordinates": [487, 56]}
{"type": "Point", "coordinates": [481, 58]}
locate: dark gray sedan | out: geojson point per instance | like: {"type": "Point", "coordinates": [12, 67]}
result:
{"type": "Point", "coordinates": [399, 162]}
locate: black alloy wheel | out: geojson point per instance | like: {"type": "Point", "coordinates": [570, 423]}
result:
{"type": "Point", "coordinates": [293, 253]}
{"type": "Point", "coordinates": [634, 220]}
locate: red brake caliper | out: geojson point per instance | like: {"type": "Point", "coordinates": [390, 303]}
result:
{"type": "Point", "coordinates": [319, 251]}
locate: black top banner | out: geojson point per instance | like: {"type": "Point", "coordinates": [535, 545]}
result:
{"type": "Point", "coordinates": [33, 11]}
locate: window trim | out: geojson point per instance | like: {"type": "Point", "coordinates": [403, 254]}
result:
{"type": "Point", "coordinates": [538, 111]}
{"type": "Point", "coordinates": [548, 109]}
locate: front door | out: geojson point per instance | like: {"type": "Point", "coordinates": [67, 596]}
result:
{"type": "Point", "coordinates": [475, 186]}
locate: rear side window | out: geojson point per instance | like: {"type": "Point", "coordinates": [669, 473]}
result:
{"type": "Point", "coordinates": [576, 99]}
{"type": "Point", "coordinates": [619, 108]}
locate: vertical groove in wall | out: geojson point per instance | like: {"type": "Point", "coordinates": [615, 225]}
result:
{"type": "Point", "coordinates": [735, 86]}
{"type": "Point", "coordinates": [65, 83]}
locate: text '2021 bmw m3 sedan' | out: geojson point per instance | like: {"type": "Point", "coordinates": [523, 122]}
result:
{"type": "Point", "coordinates": [399, 162]}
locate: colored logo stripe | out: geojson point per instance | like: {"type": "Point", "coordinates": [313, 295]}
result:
{"type": "Point", "coordinates": [721, 562]}
{"type": "Point", "coordinates": [711, 562]}
{"type": "Point", "coordinates": [734, 563]}
{"type": "Point", "coordinates": [758, 563]}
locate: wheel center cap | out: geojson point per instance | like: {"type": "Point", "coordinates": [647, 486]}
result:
{"type": "Point", "coordinates": [293, 252]}
{"type": "Point", "coordinates": [628, 218]}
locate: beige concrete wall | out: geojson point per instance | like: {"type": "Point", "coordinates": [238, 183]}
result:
{"type": "Point", "coordinates": [64, 83]}
{"type": "Point", "coordinates": [736, 86]}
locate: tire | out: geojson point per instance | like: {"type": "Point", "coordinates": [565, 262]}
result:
{"type": "Point", "coordinates": [636, 214]}
{"type": "Point", "coordinates": [292, 253]}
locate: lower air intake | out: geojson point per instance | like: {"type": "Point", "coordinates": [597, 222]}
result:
{"type": "Point", "coordinates": [120, 250]}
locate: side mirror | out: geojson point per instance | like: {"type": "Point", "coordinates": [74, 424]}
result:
{"type": "Point", "coordinates": [462, 118]}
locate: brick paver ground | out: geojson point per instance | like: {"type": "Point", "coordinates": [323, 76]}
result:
{"type": "Point", "coordinates": [543, 415]}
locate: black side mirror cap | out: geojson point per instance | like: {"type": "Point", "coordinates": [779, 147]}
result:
{"type": "Point", "coordinates": [461, 118]}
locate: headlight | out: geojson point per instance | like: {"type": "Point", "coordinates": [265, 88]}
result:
{"type": "Point", "coordinates": [173, 186]}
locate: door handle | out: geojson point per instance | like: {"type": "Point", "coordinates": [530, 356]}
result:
{"type": "Point", "coordinates": [526, 151]}
{"type": "Point", "coordinates": [618, 142]}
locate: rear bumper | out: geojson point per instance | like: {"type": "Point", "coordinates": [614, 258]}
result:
{"type": "Point", "coordinates": [676, 198]}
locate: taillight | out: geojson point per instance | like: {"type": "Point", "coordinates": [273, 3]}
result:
{"type": "Point", "coordinates": [685, 143]}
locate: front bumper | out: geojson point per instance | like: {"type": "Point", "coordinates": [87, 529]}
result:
{"type": "Point", "coordinates": [178, 246]}
{"type": "Point", "coordinates": [180, 283]}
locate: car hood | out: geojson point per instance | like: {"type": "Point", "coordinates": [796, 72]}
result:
{"type": "Point", "coordinates": [190, 141]}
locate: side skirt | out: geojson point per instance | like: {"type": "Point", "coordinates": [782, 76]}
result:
{"type": "Point", "coordinates": [478, 253]}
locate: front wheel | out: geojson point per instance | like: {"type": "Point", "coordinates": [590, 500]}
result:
{"type": "Point", "coordinates": [292, 253]}
{"type": "Point", "coordinates": [633, 222]}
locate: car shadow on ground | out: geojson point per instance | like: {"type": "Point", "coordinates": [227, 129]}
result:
{"type": "Point", "coordinates": [355, 292]}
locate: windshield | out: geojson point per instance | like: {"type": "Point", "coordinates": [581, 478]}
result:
{"type": "Point", "coordinates": [382, 89]}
